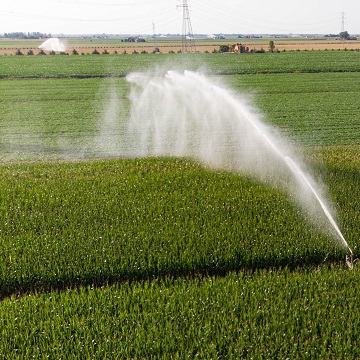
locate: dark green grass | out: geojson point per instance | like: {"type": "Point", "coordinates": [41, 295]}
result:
{"type": "Point", "coordinates": [91, 223]}
{"type": "Point", "coordinates": [307, 314]}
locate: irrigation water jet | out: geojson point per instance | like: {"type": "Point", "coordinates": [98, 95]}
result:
{"type": "Point", "coordinates": [53, 44]}
{"type": "Point", "coordinates": [297, 172]}
{"type": "Point", "coordinates": [188, 114]}
{"type": "Point", "coordinates": [349, 257]}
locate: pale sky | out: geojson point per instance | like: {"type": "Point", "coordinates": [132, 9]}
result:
{"type": "Point", "coordinates": [166, 16]}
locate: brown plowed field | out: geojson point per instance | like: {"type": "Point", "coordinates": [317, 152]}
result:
{"type": "Point", "coordinates": [8, 47]}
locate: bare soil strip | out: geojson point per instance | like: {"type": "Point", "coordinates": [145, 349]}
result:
{"type": "Point", "coordinates": [11, 48]}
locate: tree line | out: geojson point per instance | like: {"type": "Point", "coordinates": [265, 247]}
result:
{"type": "Point", "coordinates": [29, 35]}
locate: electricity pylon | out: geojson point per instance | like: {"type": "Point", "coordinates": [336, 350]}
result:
{"type": "Point", "coordinates": [188, 42]}
{"type": "Point", "coordinates": [156, 46]}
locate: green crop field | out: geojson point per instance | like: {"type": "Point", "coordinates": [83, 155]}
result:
{"type": "Point", "coordinates": [104, 256]}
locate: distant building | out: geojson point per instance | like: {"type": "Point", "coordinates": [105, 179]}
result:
{"type": "Point", "coordinates": [134, 39]}
{"type": "Point", "coordinates": [239, 48]}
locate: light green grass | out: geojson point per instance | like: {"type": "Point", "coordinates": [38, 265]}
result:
{"type": "Point", "coordinates": [64, 118]}
{"type": "Point", "coordinates": [120, 65]}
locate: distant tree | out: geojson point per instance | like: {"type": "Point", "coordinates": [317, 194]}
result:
{"type": "Point", "coordinates": [74, 52]}
{"type": "Point", "coordinates": [95, 52]}
{"type": "Point", "coordinates": [344, 35]}
{"type": "Point", "coordinates": [271, 46]}
{"type": "Point", "coordinates": [30, 52]}
{"type": "Point", "coordinates": [224, 48]}
{"type": "Point", "coordinates": [18, 52]}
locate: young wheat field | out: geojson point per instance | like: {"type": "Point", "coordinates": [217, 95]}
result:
{"type": "Point", "coordinates": [111, 253]}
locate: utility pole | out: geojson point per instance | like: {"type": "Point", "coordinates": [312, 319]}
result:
{"type": "Point", "coordinates": [188, 42]}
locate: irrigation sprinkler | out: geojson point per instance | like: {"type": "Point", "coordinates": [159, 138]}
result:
{"type": "Point", "coordinates": [349, 259]}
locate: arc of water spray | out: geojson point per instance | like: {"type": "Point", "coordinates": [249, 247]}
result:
{"type": "Point", "coordinates": [349, 259]}
{"type": "Point", "coordinates": [296, 170]}
{"type": "Point", "coordinates": [173, 91]}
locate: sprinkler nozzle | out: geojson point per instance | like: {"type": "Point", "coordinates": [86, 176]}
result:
{"type": "Point", "coordinates": [349, 259]}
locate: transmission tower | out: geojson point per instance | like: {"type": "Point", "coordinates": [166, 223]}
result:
{"type": "Point", "coordinates": [342, 22]}
{"type": "Point", "coordinates": [188, 42]}
{"type": "Point", "coordinates": [156, 46]}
